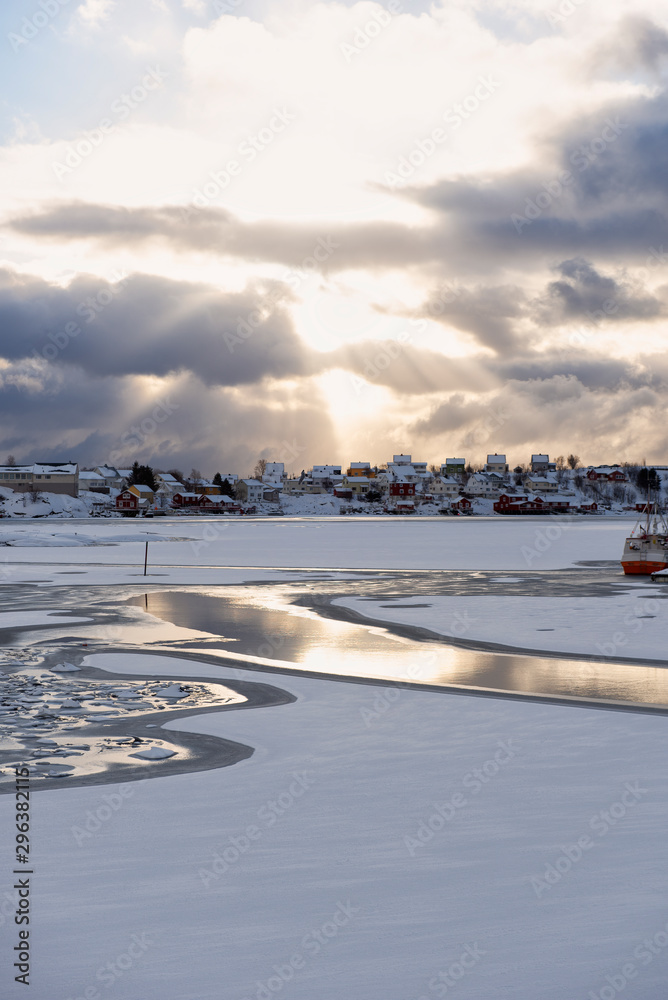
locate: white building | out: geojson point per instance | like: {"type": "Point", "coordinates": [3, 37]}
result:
{"type": "Point", "coordinates": [320, 473]}
{"type": "Point", "coordinates": [249, 490]}
{"type": "Point", "coordinates": [478, 485]}
{"type": "Point", "coordinates": [112, 477]}
{"type": "Point", "coordinates": [274, 474]}
{"type": "Point", "coordinates": [496, 463]}
{"type": "Point", "coordinates": [167, 484]}
{"type": "Point", "coordinates": [444, 486]}
{"type": "Point", "coordinates": [93, 482]}
{"type": "Point", "coordinates": [49, 477]}
{"type": "Point", "coordinates": [541, 484]}
{"type": "Point", "coordinates": [542, 463]}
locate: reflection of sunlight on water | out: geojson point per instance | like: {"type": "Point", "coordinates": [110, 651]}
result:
{"type": "Point", "coordinates": [260, 624]}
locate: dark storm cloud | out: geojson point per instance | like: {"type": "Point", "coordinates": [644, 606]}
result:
{"type": "Point", "coordinates": [592, 370]}
{"type": "Point", "coordinates": [214, 230]}
{"type": "Point", "coordinates": [55, 414]}
{"type": "Point", "coordinates": [151, 326]}
{"type": "Point", "coordinates": [583, 293]}
{"type": "Point", "coordinates": [490, 313]}
{"type": "Point", "coordinates": [599, 189]}
{"type": "Point", "coordinates": [559, 409]}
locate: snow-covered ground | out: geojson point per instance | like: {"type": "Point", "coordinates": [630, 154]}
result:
{"type": "Point", "coordinates": [318, 543]}
{"type": "Point", "coordinates": [634, 624]}
{"type": "Point", "coordinates": [51, 505]}
{"type": "Point", "coordinates": [504, 849]}
{"type": "Point", "coordinates": [382, 843]}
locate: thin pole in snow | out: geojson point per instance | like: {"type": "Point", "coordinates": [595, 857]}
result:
{"type": "Point", "coordinates": [145, 557]}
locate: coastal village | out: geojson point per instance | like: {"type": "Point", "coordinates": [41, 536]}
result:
{"type": "Point", "coordinates": [402, 486]}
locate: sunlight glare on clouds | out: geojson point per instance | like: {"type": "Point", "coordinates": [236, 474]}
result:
{"type": "Point", "coordinates": [424, 145]}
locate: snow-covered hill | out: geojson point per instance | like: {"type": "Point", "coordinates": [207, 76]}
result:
{"type": "Point", "coordinates": [13, 504]}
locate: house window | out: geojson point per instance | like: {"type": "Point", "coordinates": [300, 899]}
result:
{"type": "Point", "coordinates": [47, 477]}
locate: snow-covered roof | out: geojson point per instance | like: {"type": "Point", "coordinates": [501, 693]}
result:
{"type": "Point", "coordinates": [91, 476]}
{"type": "Point", "coordinates": [496, 459]}
{"type": "Point", "coordinates": [455, 461]}
{"type": "Point", "coordinates": [252, 482]}
{"type": "Point", "coordinates": [142, 488]}
{"type": "Point", "coordinates": [67, 469]}
{"type": "Point", "coordinates": [540, 458]}
{"type": "Point", "coordinates": [107, 471]}
{"type": "Point", "coordinates": [167, 477]}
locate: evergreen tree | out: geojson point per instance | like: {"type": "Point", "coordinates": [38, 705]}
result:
{"type": "Point", "coordinates": [217, 481]}
{"type": "Point", "coordinates": [226, 488]}
{"type": "Point", "coordinates": [142, 475]}
{"type": "Point", "coordinates": [648, 478]}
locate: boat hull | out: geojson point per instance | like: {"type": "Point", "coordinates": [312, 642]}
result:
{"type": "Point", "coordinates": [642, 567]}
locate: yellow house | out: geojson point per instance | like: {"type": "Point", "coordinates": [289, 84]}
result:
{"type": "Point", "coordinates": [141, 491]}
{"type": "Point", "coordinates": [361, 469]}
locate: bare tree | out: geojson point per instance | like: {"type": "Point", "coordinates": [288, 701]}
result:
{"type": "Point", "coordinates": [195, 477]}
{"type": "Point", "coordinates": [560, 463]}
{"type": "Point", "coordinates": [260, 468]}
{"type": "Point", "coordinates": [573, 461]}
{"type": "Point", "coordinates": [10, 460]}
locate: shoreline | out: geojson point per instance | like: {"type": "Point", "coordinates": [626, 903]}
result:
{"type": "Point", "coordinates": [205, 752]}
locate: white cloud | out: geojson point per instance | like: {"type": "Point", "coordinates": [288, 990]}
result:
{"type": "Point", "coordinates": [93, 12]}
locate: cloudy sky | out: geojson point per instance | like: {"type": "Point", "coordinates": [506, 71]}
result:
{"type": "Point", "coordinates": [330, 232]}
